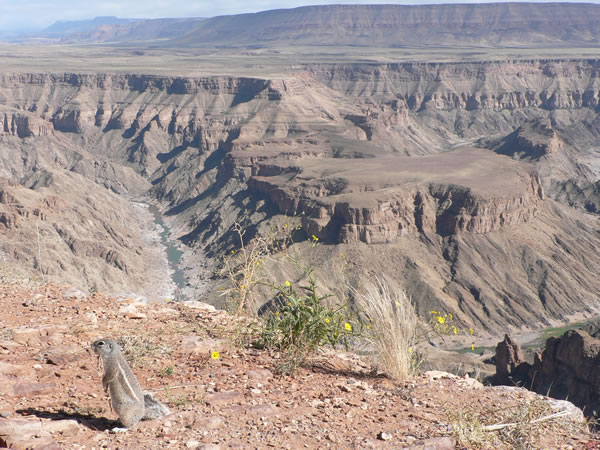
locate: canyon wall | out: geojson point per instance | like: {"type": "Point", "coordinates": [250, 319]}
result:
{"type": "Point", "coordinates": [438, 166]}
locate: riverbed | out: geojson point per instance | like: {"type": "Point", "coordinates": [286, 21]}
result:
{"type": "Point", "coordinates": [172, 252]}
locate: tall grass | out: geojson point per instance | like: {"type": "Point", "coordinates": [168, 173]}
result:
{"type": "Point", "coordinates": [392, 326]}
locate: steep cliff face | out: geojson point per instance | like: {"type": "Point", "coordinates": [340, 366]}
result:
{"type": "Point", "coordinates": [24, 125]}
{"type": "Point", "coordinates": [484, 85]}
{"type": "Point", "coordinates": [369, 156]}
{"type": "Point", "coordinates": [455, 192]}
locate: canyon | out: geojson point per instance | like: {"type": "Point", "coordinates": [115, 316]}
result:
{"type": "Point", "coordinates": [470, 182]}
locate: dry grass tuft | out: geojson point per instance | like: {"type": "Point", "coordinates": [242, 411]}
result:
{"type": "Point", "coordinates": [521, 426]}
{"type": "Point", "coordinates": [468, 427]}
{"type": "Point", "coordinates": [392, 328]}
{"type": "Point", "coordinates": [525, 423]}
{"type": "Point", "coordinates": [135, 348]}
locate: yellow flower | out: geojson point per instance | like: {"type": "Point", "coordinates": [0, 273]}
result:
{"type": "Point", "coordinates": [449, 315]}
{"type": "Point", "coordinates": [471, 331]}
{"type": "Point", "coordinates": [215, 355]}
{"type": "Point", "coordinates": [409, 349]}
{"type": "Point", "coordinates": [342, 255]}
{"type": "Point", "coordinates": [232, 252]}
{"type": "Point", "coordinates": [347, 326]}
{"type": "Point", "coordinates": [285, 225]}
{"type": "Point", "coordinates": [315, 238]}
{"type": "Point", "coordinates": [454, 330]}
{"type": "Point", "coordinates": [440, 319]}
{"type": "Point", "coordinates": [434, 312]}
{"type": "Point", "coordinates": [327, 320]}
{"type": "Point", "coordinates": [473, 347]}
{"type": "Point", "coordinates": [287, 283]}
{"type": "Point", "coordinates": [242, 287]}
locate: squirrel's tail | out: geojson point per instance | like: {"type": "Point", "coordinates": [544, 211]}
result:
{"type": "Point", "coordinates": [153, 409]}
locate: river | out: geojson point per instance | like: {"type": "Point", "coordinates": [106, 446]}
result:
{"type": "Point", "coordinates": [173, 253]}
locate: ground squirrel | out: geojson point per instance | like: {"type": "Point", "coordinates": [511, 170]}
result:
{"type": "Point", "coordinates": [126, 395]}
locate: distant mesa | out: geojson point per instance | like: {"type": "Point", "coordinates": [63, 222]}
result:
{"type": "Point", "coordinates": [448, 25]}
{"type": "Point", "coordinates": [65, 27]}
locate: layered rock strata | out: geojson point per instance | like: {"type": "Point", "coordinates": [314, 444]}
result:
{"type": "Point", "coordinates": [410, 195]}
{"type": "Point", "coordinates": [364, 154]}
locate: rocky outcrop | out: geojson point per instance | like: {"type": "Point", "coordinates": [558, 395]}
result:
{"type": "Point", "coordinates": [24, 125]}
{"type": "Point", "coordinates": [566, 369]}
{"type": "Point", "coordinates": [508, 356]}
{"type": "Point", "coordinates": [531, 141]}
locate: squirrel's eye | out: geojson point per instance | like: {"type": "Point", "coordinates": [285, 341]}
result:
{"type": "Point", "coordinates": [100, 343]}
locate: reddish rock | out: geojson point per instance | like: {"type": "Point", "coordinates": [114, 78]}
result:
{"type": "Point", "coordinates": [201, 345]}
{"type": "Point", "coordinates": [224, 398]}
{"type": "Point", "coordinates": [568, 369]}
{"type": "Point", "coordinates": [260, 375]}
{"type": "Point", "coordinates": [16, 370]}
{"type": "Point", "coordinates": [25, 443]}
{"type": "Point", "coordinates": [264, 410]}
{"type": "Point", "coordinates": [508, 356]}
{"type": "Point", "coordinates": [65, 355]}
{"type": "Point", "coordinates": [24, 433]}
{"type": "Point", "coordinates": [32, 389]}
{"type": "Point", "coordinates": [209, 423]}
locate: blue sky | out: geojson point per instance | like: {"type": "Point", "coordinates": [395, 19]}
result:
{"type": "Point", "coordinates": [36, 14]}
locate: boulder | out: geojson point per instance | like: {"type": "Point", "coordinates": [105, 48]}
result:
{"type": "Point", "coordinates": [34, 433]}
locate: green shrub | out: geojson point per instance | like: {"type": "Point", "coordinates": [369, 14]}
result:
{"type": "Point", "coordinates": [303, 323]}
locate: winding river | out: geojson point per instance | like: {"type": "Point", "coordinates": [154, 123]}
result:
{"type": "Point", "coordinates": [174, 254]}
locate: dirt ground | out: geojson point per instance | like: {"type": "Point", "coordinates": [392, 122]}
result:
{"type": "Point", "coordinates": [52, 395]}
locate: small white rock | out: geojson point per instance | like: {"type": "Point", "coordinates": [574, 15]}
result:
{"type": "Point", "coordinates": [383, 436]}
{"type": "Point", "coordinates": [192, 443]}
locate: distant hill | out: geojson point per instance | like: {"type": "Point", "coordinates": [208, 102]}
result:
{"type": "Point", "coordinates": [495, 24]}
{"type": "Point", "coordinates": [141, 30]}
{"type": "Point", "coordinates": [64, 28]}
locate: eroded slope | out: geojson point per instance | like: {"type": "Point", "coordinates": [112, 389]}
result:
{"type": "Point", "coordinates": [378, 159]}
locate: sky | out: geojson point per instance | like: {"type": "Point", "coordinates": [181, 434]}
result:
{"type": "Point", "coordinates": [20, 15]}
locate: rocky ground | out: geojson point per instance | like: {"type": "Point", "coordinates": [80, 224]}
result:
{"type": "Point", "coordinates": [52, 395]}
